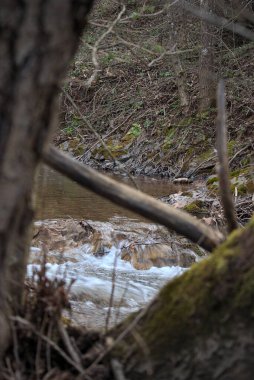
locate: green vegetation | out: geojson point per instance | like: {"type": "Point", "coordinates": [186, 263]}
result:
{"type": "Point", "coordinates": [135, 130]}
{"type": "Point", "coordinates": [197, 208]}
{"type": "Point", "coordinates": [212, 180]}
{"type": "Point", "coordinates": [169, 139]}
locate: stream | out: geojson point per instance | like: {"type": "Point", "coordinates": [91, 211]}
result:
{"type": "Point", "coordinates": [92, 265]}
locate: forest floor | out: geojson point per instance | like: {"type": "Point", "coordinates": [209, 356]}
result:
{"type": "Point", "coordinates": [128, 118]}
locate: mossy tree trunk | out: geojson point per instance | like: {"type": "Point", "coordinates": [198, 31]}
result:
{"type": "Point", "coordinates": [201, 325]}
{"type": "Point", "coordinates": [37, 40]}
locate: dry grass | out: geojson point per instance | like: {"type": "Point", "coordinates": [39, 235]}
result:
{"type": "Point", "coordinates": [44, 345]}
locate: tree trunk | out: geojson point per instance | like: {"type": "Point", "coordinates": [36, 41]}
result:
{"type": "Point", "coordinates": [200, 326]}
{"type": "Point", "coordinates": [207, 72]}
{"type": "Point", "coordinates": [37, 40]}
{"type": "Point", "coordinates": [174, 40]}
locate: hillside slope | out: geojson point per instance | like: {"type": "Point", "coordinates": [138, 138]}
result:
{"type": "Point", "coordinates": [121, 109]}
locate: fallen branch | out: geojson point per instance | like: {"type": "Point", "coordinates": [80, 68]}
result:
{"type": "Point", "coordinates": [202, 167]}
{"type": "Point", "coordinates": [134, 200]}
{"type": "Point", "coordinates": [72, 352]}
{"type": "Point", "coordinates": [223, 166]}
{"type": "Point", "coordinates": [216, 20]}
{"type": "Point", "coordinates": [239, 152]}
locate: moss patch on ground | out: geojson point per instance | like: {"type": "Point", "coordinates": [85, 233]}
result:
{"type": "Point", "coordinates": [198, 208]}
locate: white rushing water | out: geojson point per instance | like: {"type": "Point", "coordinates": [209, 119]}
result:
{"type": "Point", "coordinates": [92, 289]}
{"type": "Point", "coordinates": [117, 230]}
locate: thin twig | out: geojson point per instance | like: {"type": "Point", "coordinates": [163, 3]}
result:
{"type": "Point", "coordinates": [201, 165]}
{"type": "Point", "coordinates": [166, 7]}
{"type": "Point", "coordinates": [120, 337]}
{"type": "Point", "coordinates": [151, 52]}
{"type": "Point", "coordinates": [28, 325]}
{"type": "Point", "coordinates": [10, 369]}
{"type": "Point", "coordinates": [48, 349]}
{"type": "Point", "coordinates": [89, 125]}
{"type": "Point", "coordinates": [111, 132]}
{"type": "Point", "coordinates": [121, 302]}
{"type": "Point", "coordinates": [223, 169]}
{"type": "Point", "coordinates": [38, 350]}
{"type": "Point", "coordinates": [112, 293]}
{"type": "Point", "coordinates": [96, 46]}
{"type": "Point", "coordinates": [66, 339]}
{"type": "Point", "coordinates": [157, 59]}
{"type": "Point", "coordinates": [16, 352]}
{"type": "Point", "coordinates": [239, 152]}
{"type": "Point", "coordinates": [117, 370]}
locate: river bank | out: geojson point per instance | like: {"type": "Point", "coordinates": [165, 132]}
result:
{"type": "Point", "coordinates": [88, 239]}
{"type": "Point", "coordinates": [130, 119]}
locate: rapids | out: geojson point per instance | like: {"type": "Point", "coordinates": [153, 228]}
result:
{"type": "Point", "coordinates": [111, 277]}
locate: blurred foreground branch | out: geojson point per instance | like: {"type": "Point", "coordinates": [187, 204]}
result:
{"type": "Point", "coordinates": [134, 200]}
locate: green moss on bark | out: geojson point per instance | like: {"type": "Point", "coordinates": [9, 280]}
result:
{"type": "Point", "coordinates": [185, 301]}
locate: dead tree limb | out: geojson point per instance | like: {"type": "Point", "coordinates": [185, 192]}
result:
{"type": "Point", "coordinates": [96, 47]}
{"type": "Point", "coordinates": [134, 200]}
{"type": "Point", "coordinates": [216, 20]}
{"type": "Point", "coordinates": [223, 167]}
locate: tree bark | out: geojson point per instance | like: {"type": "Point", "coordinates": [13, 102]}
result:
{"type": "Point", "coordinates": [37, 40]}
{"type": "Point", "coordinates": [207, 72]}
{"type": "Point", "coordinates": [200, 326]}
{"type": "Point", "coordinates": [175, 38]}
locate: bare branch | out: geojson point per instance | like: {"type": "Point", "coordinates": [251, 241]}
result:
{"type": "Point", "coordinates": [96, 46]}
{"type": "Point", "coordinates": [223, 167]}
{"type": "Point", "coordinates": [117, 370]}
{"type": "Point", "coordinates": [247, 146]}
{"type": "Point", "coordinates": [31, 327]}
{"type": "Point", "coordinates": [66, 339]}
{"type": "Point", "coordinates": [212, 18]}
{"type": "Point", "coordinates": [111, 301]}
{"type": "Point", "coordinates": [134, 200]}
{"type": "Point", "coordinates": [92, 129]}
